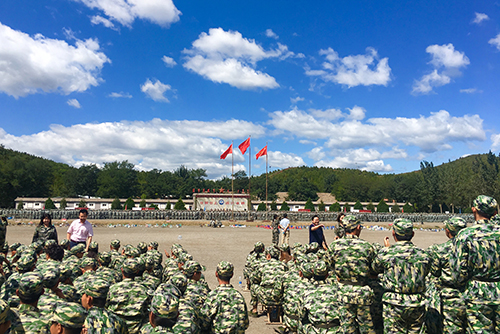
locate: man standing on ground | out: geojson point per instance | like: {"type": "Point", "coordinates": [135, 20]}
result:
{"type": "Point", "coordinates": [316, 233]}
{"type": "Point", "coordinates": [285, 230]}
{"type": "Point", "coordinates": [80, 231]}
{"type": "Point", "coordinates": [276, 230]}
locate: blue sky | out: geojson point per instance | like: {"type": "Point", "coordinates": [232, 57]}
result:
{"type": "Point", "coordinates": [374, 85]}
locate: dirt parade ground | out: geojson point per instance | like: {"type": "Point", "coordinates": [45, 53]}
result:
{"type": "Point", "coordinates": [211, 245]}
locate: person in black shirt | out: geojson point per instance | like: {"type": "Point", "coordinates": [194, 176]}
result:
{"type": "Point", "coordinates": [316, 232]}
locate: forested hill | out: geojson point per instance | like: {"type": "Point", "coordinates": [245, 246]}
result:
{"type": "Point", "coordinates": [457, 182]}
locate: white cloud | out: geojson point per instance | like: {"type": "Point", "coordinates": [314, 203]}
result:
{"type": "Point", "coordinates": [169, 62]}
{"type": "Point", "coordinates": [271, 34]}
{"type": "Point", "coordinates": [495, 142]}
{"type": "Point", "coordinates": [29, 65]}
{"type": "Point", "coordinates": [120, 94]}
{"type": "Point", "coordinates": [446, 62]}
{"type": "Point", "coordinates": [470, 91]}
{"type": "Point", "coordinates": [356, 70]}
{"type": "Point", "coordinates": [480, 17]}
{"type": "Point", "coordinates": [495, 42]}
{"type": "Point", "coordinates": [161, 12]}
{"type": "Point", "coordinates": [357, 113]}
{"type": "Point", "coordinates": [227, 57]}
{"type": "Point", "coordinates": [329, 114]}
{"type": "Point", "coordinates": [316, 153]}
{"type": "Point", "coordinates": [279, 159]}
{"type": "Point", "coordinates": [294, 100]}
{"type": "Point", "coordinates": [74, 103]}
{"type": "Point", "coordinates": [157, 143]}
{"type": "Point", "coordinates": [97, 19]}
{"type": "Point", "coordinates": [155, 90]}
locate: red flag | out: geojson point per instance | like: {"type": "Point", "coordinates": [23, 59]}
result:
{"type": "Point", "coordinates": [229, 150]}
{"type": "Point", "coordinates": [261, 153]}
{"type": "Point", "coordinates": [243, 146]}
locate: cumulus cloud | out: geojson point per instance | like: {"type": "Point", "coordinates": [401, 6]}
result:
{"type": "Point", "coordinates": [470, 91]}
{"type": "Point", "coordinates": [278, 159]}
{"type": "Point", "coordinates": [161, 12]}
{"type": "Point", "coordinates": [364, 159]}
{"type": "Point", "coordinates": [495, 142]}
{"type": "Point", "coordinates": [294, 100]}
{"type": "Point", "coordinates": [156, 90]}
{"type": "Point", "coordinates": [120, 94]}
{"type": "Point", "coordinates": [355, 70]}
{"type": "Point", "coordinates": [271, 34]}
{"type": "Point", "coordinates": [495, 42]}
{"type": "Point", "coordinates": [74, 103]}
{"type": "Point", "coordinates": [227, 57]}
{"type": "Point", "coordinates": [161, 144]}
{"type": "Point", "coordinates": [169, 62]}
{"type": "Point", "coordinates": [29, 65]}
{"type": "Point", "coordinates": [97, 19]}
{"type": "Point", "coordinates": [480, 17]}
{"type": "Point", "coordinates": [446, 62]}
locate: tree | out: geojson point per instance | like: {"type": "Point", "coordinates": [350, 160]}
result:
{"type": "Point", "coordinates": [20, 205]}
{"type": "Point", "coordinates": [302, 189]}
{"type": "Point", "coordinates": [261, 207]}
{"type": "Point", "coordinates": [382, 206]}
{"type": "Point", "coordinates": [49, 204]}
{"type": "Point", "coordinates": [407, 208]}
{"type": "Point", "coordinates": [142, 204]}
{"type": "Point", "coordinates": [321, 206]}
{"type": "Point", "coordinates": [154, 206]}
{"type": "Point", "coordinates": [63, 204]}
{"type": "Point", "coordinates": [347, 207]}
{"type": "Point", "coordinates": [179, 205]}
{"type": "Point", "coordinates": [168, 206]}
{"type": "Point", "coordinates": [117, 179]}
{"type": "Point", "coordinates": [284, 207]}
{"type": "Point", "coordinates": [358, 206]}
{"type": "Point", "coordinates": [116, 205]}
{"type": "Point", "coordinates": [395, 208]}
{"type": "Point", "coordinates": [335, 207]}
{"type": "Point", "coordinates": [129, 203]}
{"type": "Point", "coordinates": [82, 204]}
{"type": "Point", "coordinates": [309, 205]}
{"type": "Point", "coordinates": [274, 206]}
{"type": "Point", "coordinates": [370, 207]}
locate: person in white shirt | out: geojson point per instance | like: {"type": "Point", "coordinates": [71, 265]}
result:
{"type": "Point", "coordinates": [80, 231]}
{"type": "Point", "coordinates": [285, 230]}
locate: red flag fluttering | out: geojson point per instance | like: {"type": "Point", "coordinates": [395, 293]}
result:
{"type": "Point", "coordinates": [244, 146]}
{"type": "Point", "coordinates": [229, 150]}
{"type": "Point", "coordinates": [261, 153]}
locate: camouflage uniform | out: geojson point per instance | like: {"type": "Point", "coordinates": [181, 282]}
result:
{"type": "Point", "coordinates": [404, 267]}
{"type": "Point", "coordinates": [252, 263]}
{"type": "Point", "coordinates": [5, 312]}
{"type": "Point", "coordinates": [196, 291]}
{"type": "Point", "coordinates": [8, 291]}
{"type": "Point", "coordinates": [129, 299]}
{"type": "Point", "coordinates": [276, 231]}
{"type": "Point", "coordinates": [474, 263]}
{"type": "Point", "coordinates": [225, 310]}
{"type": "Point", "coordinates": [44, 233]}
{"type": "Point", "coordinates": [48, 301]}
{"type": "Point", "coordinates": [294, 292]}
{"type": "Point", "coordinates": [320, 314]}
{"type": "Point", "coordinates": [69, 315]}
{"type": "Point", "coordinates": [270, 277]}
{"type": "Point", "coordinates": [352, 259]}
{"type": "Point", "coordinates": [163, 305]}
{"type": "Point", "coordinates": [3, 230]}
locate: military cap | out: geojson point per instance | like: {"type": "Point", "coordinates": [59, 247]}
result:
{"type": "Point", "coordinates": [69, 315]}
{"type": "Point", "coordinates": [131, 266]}
{"type": "Point", "coordinates": [97, 288]}
{"type": "Point", "coordinates": [455, 224]}
{"type": "Point", "coordinates": [88, 262]}
{"type": "Point", "coordinates": [225, 269]}
{"type": "Point", "coordinates": [15, 246]}
{"type": "Point", "coordinates": [50, 275]}
{"type": "Point", "coordinates": [153, 244]}
{"type": "Point", "coordinates": [94, 246]}
{"type": "Point", "coordinates": [105, 259]}
{"type": "Point", "coordinates": [485, 204]}
{"type": "Point", "coordinates": [176, 249]}
{"type": "Point", "coordinates": [320, 268]}
{"type": "Point", "coordinates": [402, 226]}
{"type": "Point", "coordinates": [149, 262]}
{"type": "Point", "coordinates": [297, 244]}
{"type": "Point", "coordinates": [5, 247]}
{"type": "Point", "coordinates": [5, 313]}
{"type": "Point", "coordinates": [285, 247]}
{"type": "Point", "coordinates": [165, 305]}
{"type": "Point", "coordinates": [37, 246]}
{"type": "Point", "coordinates": [350, 222]}
{"type": "Point", "coordinates": [50, 242]}
{"type": "Point", "coordinates": [179, 281]}
{"type": "Point", "coordinates": [26, 263]}
{"type": "Point", "coordinates": [258, 247]}
{"type": "Point", "coordinates": [70, 293]}
{"type": "Point", "coordinates": [313, 247]}
{"type": "Point", "coordinates": [115, 243]}
{"type": "Point", "coordinates": [142, 247]}
{"type": "Point", "coordinates": [184, 257]}
{"type": "Point", "coordinates": [64, 242]}
{"type": "Point", "coordinates": [79, 248]}
{"type": "Point", "coordinates": [65, 271]}
{"type": "Point", "coordinates": [131, 251]}
{"type": "Point", "coordinates": [30, 285]}
{"type": "Point", "coordinates": [307, 269]}
{"type": "Point", "coordinates": [273, 251]}
{"type": "Point", "coordinates": [191, 267]}
{"type": "Point", "coordinates": [495, 219]}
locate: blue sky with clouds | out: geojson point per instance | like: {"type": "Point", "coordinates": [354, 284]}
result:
{"type": "Point", "coordinates": [374, 85]}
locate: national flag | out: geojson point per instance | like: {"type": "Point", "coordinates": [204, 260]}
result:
{"type": "Point", "coordinates": [229, 150]}
{"type": "Point", "coordinates": [243, 146]}
{"type": "Point", "coordinates": [261, 153]}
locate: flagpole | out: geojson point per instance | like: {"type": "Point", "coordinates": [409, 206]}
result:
{"type": "Point", "coordinates": [267, 154]}
{"type": "Point", "coordinates": [232, 184]}
{"type": "Point", "coordinates": [249, 175]}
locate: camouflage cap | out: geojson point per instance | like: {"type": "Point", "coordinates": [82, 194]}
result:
{"type": "Point", "coordinates": [50, 275]}
{"type": "Point", "coordinates": [307, 269]}
{"type": "Point", "coordinates": [94, 246]}
{"type": "Point", "coordinates": [5, 313]}
{"type": "Point", "coordinates": [350, 222]}
{"type": "Point", "coordinates": [70, 293]}
{"type": "Point", "coordinates": [15, 246]}
{"type": "Point", "coordinates": [26, 263]}
{"type": "Point", "coordinates": [313, 247]}
{"type": "Point", "coordinates": [97, 288]}
{"type": "Point", "coordinates": [79, 248]}
{"type": "Point", "coordinates": [142, 247]}
{"type": "Point", "coordinates": [69, 315]}
{"type": "Point", "coordinates": [485, 204]}
{"type": "Point", "coordinates": [320, 268]}
{"type": "Point", "coordinates": [258, 247]}
{"type": "Point", "coordinates": [495, 219]}
{"type": "Point", "coordinates": [115, 243]}
{"type": "Point", "coordinates": [30, 285]}
{"type": "Point", "coordinates": [88, 262]}
{"type": "Point", "coordinates": [37, 246]}
{"type": "Point", "coordinates": [149, 262]}
{"type": "Point", "coordinates": [165, 306]}
{"type": "Point", "coordinates": [64, 242]}
{"type": "Point", "coordinates": [225, 269]}
{"type": "Point", "coordinates": [131, 266]}
{"type": "Point", "coordinates": [105, 259]}
{"type": "Point", "coordinates": [191, 267]}
{"type": "Point", "coordinates": [455, 224]}
{"type": "Point", "coordinates": [153, 244]}
{"type": "Point", "coordinates": [402, 226]}
{"type": "Point", "coordinates": [273, 251]}
{"type": "Point", "coordinates": [50, 242]}
{"type": "Point", "coordinates": [131, 251]}
{"type": "Point", "coordinates": [285, 247]}
{"type": "Point", "coordinates": [179, 281]}
{"type": "Point", "coordinates": [65, 271]}
{"type": "Point", "coordinates": [184, 257]}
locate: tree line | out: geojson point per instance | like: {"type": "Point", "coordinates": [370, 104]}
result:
{"type": "Point", "coordinates": [452, 185]}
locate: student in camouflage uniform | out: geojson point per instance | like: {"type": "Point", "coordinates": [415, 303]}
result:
{"type": "Point", "coordinates": [339, 229]}
{"type": "Point", "coordinates": [3, 229]}
{"type": "Point", "coordinates": [8, 292]}
{"type": "Point", "coordinates": [445, 297]}
{"type": "Point", "coordinates": [99, 320]}
{"type": "Point", "coordinates": [68, 318]}
{"type": "Point", "coordinates": [275, 230]}
{"type": "Point", "coordinates": [252, 264]}
{"type": "Point", "coordinates": [225, 310]}
{"type": "Point", "coordinates": [270, 276]}
{"type": "Point", "coordinates": [352, 260]}
{"type": "Point", "coordinates": [196, 291]}
{"type": "Point", "coordinates": [163, 314]}
{"type": "Point", "coordinates": [403, 267]}
{"type": "Point", "coordinates": [6, 317]}
{"type": "Point", "coordinates": [320, 313]}
{"type": "Point", "coordinates": [474, 263]}
{"type": "Point", "coordinates": [52, 295]}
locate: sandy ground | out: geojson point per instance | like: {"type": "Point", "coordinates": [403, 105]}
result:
{"type": "Point", "coordinates": [211, 245]}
